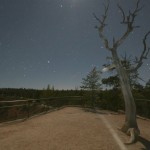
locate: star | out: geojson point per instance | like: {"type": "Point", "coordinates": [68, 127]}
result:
{"type": "Point", "coordinates": [24, 68]}
{"type": "Point", "coordinates": [31, 66]}
{"type": "Point", "coordinates": [13, 68]}
{"type": "Point", "coordinates": [59, 39]}
{"type": "Point", "coordinates": [92, 65]}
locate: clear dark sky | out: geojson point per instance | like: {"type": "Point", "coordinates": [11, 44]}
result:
{"type": "Point", "coordinates": [54, 41]}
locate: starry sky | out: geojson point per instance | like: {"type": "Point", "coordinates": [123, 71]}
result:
{"type": "Point", "coordinates": [54, 41]}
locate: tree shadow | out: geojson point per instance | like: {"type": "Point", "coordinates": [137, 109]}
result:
{"type": "Point", "coordinates": [92, 110]}
{"type": "Point", "coordinates": [145, 142]}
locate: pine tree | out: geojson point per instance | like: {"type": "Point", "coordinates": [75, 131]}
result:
{"type": "Point", "coordinates": [91, 84]}
{"type": "Point", "coordinates": [148, 84]}
{"type": "Point", "coordinates": [91, 81]}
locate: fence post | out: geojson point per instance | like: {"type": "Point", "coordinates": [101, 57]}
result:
{"type": "Point", "coordinates": [28, 109]}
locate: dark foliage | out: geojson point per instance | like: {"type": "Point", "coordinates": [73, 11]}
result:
{"type": "Point", "coordinates": [48, 99]}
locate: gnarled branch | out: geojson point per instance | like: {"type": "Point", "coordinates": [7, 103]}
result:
{"type": "Point", "coordinates": [102, 26]}
{"type": "Point", "coordinates": [144, 54]}
{"type": "Point", "coordinates": [128, 20]}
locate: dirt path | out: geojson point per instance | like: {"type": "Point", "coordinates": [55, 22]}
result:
{"type": "Point", "coordinates": [67, 129]}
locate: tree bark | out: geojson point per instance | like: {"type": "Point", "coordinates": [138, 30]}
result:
{"type": "Point", "coordinates": [130, 126]}
{"type": "Point", "coordinates": [130, 107]}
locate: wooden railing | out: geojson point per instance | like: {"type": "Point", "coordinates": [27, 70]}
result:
{"type": "Point", "coordinates": [143, 107]}
{"type": "Point", "coordinates": [23, 109]}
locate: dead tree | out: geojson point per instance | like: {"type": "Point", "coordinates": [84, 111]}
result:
{"type": "Point", "coordinates": [130, 126]}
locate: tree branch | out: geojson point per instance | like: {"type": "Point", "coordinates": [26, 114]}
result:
{"type": "Point", "coordinates": [128, 20]}
{"type": "Point", "coordinates": [144, 54]}
{"type": "Point", "coordinates": [102, 26]}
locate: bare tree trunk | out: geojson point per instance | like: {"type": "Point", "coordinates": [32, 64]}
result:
{"type": "Point", "coordinates": [130, 126]}
{"type": "Point", "coordinates": [130, 107]}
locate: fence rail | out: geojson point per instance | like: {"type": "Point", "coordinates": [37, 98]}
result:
{"type": "Point", "coordinates": [14, 101]}
{"type": "Point", "coordinates": [147, 100]}
{"type": "Point", "coordinates": [21, 109]}
{"type": "Point", "coordinates": [143, 107]}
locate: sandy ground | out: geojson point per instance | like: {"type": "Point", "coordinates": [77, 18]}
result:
{"type": "Point", "coordinates": [71, 129]}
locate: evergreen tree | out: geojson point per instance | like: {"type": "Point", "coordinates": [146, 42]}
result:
{"type": "Point", "coordinates": [91, 84]}
{"type": "Point", "coordinates": [113, 81]}
{"type": "Point", "coordinates": [148, 84]}
{"type": "Point", "coordinates": [48, 87]}
{"type": "Point", "coordinates": [91, 81]}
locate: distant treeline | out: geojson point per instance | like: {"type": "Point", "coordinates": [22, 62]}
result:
{"type": "Point", "coordinates": [111, 99]}
{"type": "Point", "coordinates": [22, 93]}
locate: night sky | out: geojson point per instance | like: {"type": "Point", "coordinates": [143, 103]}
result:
{"type": "Point", "coordinates": [54, 41]}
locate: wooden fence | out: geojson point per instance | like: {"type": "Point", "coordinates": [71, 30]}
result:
{"type": "Point", "coordinates": [143, 107]}
{"type": "Point", "coordinates": [23, 109]}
